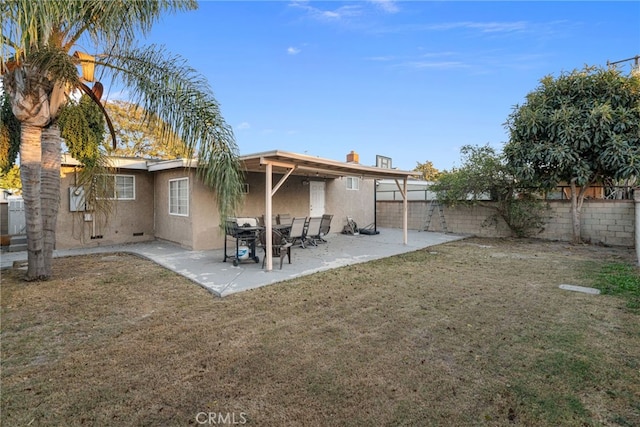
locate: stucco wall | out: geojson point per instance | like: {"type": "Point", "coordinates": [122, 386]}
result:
{"type": "Point", "coordinates": [148, 216]}
{"type": "Point", "coordinates": [207, 230]}
{"type": "Point", "coordinates": [357, 204]}
{"type": "Point", "coordinates": [293, 198]}
{"type": "Point", "coordinates": [129, 220]}
{"type": "Point", "coordinates": [608, 222]}
{"type": "Point", "coordinates": [174, 228]}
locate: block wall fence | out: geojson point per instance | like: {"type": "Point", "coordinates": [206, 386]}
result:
{"type": "Point", "coordinates": [608, 222]}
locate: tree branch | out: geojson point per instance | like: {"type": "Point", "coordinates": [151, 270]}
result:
{"type": "Point", "coordinates": [86, 89]}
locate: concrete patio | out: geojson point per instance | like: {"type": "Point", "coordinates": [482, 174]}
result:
{"type": "Point", "coordinates": [207, 268]}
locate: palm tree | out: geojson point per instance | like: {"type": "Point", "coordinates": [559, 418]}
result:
{"type": "Point", "coordinates": [39, 67]}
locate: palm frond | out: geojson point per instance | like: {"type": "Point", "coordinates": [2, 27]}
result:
{"type": "Point", "coordinates": [167, 88]}
{"type": "Point", "coordinates": [120, 23]}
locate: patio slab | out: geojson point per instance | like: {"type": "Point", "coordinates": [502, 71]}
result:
{"type": "Point", "coordinates": [207, 268]}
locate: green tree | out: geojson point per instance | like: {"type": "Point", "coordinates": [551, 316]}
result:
{"type": "Point", "coordinates": [580, 128]}
{"type": "Point", "coordinates": [39, 68]}
{"type": "Point", "coordinates": [484, 177]}
{"type": "Point", "coordinates": [11, 179]}
{"type": "Point", "coordinates": [429, 172]}
{"type": "Point", "coordinates": [137, 138]}
{"type": "Point", "coordinates": [9, 134]}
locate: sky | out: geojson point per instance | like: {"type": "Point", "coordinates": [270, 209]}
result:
{"type": "Point", "coordinates": [410, 80]}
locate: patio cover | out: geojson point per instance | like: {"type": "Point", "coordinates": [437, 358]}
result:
{"type": "Point", "coordinates": [287, 164]}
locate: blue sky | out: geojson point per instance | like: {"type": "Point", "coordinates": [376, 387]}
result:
{"type": "Point", "coordinates": [410, 80]}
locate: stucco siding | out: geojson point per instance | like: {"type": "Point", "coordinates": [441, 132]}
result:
{"type": "Point", "coordinates": [148, 217]}
{"type": "Point", "coordinates": [128, 221]}
{"type": "Point", "coordinates": [207, 231]}
{"type": "Point", "coordinates": [291, 198]}
{"type": "Point", "coordinates": [174, 228]}
{"type": "Point", "coordinates": [357, 204]}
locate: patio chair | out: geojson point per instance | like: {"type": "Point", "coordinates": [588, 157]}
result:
{"type": "Point", "coordinates": [262, 221]}
{"type": "Point", "coordinates": [280, 247]}
{"type": "Point", "coordinates": [297, 231]}
{"type": "Point", "coordinates": [313, 230]}
{"type": "Point", "coordinates": [325, 226]}
{"type": "Point", "coordinates": [284, 219]}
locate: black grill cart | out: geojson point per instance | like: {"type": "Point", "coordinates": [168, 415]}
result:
{"type": "Point", "coordinates": [245, 234]}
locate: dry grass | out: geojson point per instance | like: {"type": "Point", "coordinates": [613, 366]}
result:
{"type": "Point", "coordinates": [474, 332]}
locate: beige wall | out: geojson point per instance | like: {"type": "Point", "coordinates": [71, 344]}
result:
{"type": "Point", "coordinates": [200, 230]}
{"type": "Point", "coordinates": [175, 228]}
{"type": "Point", "coordinates": [293, 198]}
{"type": "Point", "coordinates": [129, 220]}
{"type": "Point", "coordinates": [207, 230]}
{"type": "Point", "coordinates": [357, 204]}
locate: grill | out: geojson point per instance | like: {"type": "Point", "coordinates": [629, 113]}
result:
{"type": "Point", "coordinates": [243, 238]}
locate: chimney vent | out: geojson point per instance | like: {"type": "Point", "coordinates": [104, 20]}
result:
{"type": "Point", "coordinates": [353, 157]}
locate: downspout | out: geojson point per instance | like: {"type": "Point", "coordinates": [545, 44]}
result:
{"type": "Point", "coordinates": [375, 206]}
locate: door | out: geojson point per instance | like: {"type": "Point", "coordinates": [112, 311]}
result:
{"type": "Point", "coordinates": [316, 198]}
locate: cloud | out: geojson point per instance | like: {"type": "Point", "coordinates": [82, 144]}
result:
{"type": "Point", "coordinates": [329, 15]}
{"type": "Point", "coordinates": [483, 27]}
{"type": "Point", "coordinates": [380, 58]}
{"type": "Point", "coordinates": [389, 6]}
{"type": "Point", "coordinates": [293, 50]}
{"type": "Point", "coordinates": [433, 64]}
{"type": "Point", "coordinates": [243, 126]}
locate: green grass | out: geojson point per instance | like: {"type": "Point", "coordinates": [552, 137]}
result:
{"type": "Point", "coordinates": [621, 279]}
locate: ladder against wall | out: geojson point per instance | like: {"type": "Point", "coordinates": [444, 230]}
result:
{"type": "Point", "coordinates": [434, 206]}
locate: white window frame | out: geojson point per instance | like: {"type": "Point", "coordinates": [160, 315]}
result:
{"type": "Point", "coordinates": [118, 195]}
{"type": "Point", "coordinates": [353, 183]}
{"type": "Point", "coordinates": [184, 198]}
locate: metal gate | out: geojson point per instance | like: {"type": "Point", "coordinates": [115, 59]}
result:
{"type": "Point", "coordinates": [17, 222]}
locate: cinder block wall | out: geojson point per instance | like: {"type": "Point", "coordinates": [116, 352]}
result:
{"type": "Point", "coordinates": [609, 222]}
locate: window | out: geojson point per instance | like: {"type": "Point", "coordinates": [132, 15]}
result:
{"type": "Point", "coordinates": [353, 183]}
{"type": "Point", "coordinates": [118, 187]}
{"type": "Point", "coordinates": [179, 196]}
{"type": "Point", "coordinates": [125, 187]}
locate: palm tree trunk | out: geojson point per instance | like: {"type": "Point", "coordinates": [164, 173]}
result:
{"type": "Point", "coordinates": [50, 190]}
{"type": "Point", "coordinates": [31, 176]}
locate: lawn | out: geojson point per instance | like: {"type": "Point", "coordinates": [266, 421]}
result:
{"type": "Point", "coordinates": [469, 333]}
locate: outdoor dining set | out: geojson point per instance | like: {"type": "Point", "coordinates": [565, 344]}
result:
{"type": "Point", "coordinates": [247, 234]}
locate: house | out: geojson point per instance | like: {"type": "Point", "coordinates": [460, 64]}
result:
{"type": "Point", "coordinates": [164, 199]}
